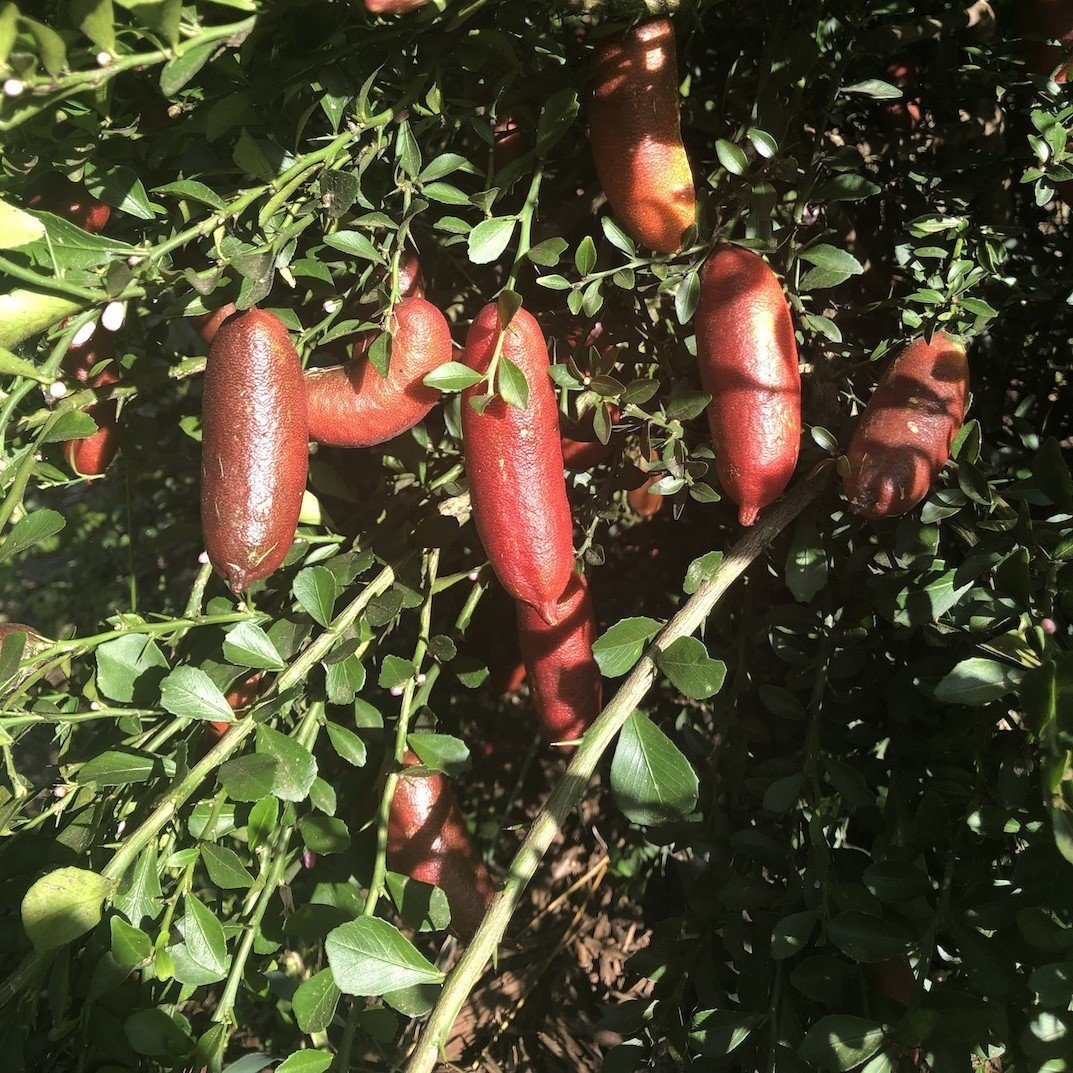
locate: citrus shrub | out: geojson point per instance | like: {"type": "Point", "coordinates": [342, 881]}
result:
{"type": "Point", "coordinates": [342, 341]}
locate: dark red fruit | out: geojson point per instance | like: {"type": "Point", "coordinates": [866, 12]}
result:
{"type": "Point", "coordinates": [748, 364]}
{"type": "Point", "coordinates": [91, 456]}
{"type": "Point", "coordinates": [636, 135]}
{"type": "Point", "coordinates": [73, 202]}
{"type": "Point", "coordinates": [514, 461]}
{"type": "Point", "coordinates": [427, 840]}
{"type": "Point", "coordinates": [906, 431]}
{"type": "Point", "coordinates": [563, 676]}
{"type": "Point", "coordinates": [510, 141]}
{"type": "Point", "coordinates": [241, 695]}
{"type": "Point", "coordinates": [1043, 21]}
{"type": "Point", "coordinates": [208, 324]}
{"type": "Point", "coordinates": [392, 7]}
{"type": "Point", "coordinates": [352, 405]}
{"type": "Point", "coordinates": [254, 455]}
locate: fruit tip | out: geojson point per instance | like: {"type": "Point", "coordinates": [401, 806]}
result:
{"type": "Point", "coordinates": [748, 514]}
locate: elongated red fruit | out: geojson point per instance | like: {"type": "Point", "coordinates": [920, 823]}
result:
{"type": "Point", "coordinates": [748, 364]}
{"type": "Point", "coordinates": [73, 202]}
{"type": "Point", "coordinates": [91, 456]}
{"type": "Point", "coordinates": [588, 453]}
{"type": "Point", "coordinates": [241, 695]}
{"type": "Point", "coordinates": [514, 460]}
{"type": "Point", "coordinates": [636, 135]}
{"type": "Point", "coordinates": [393, 7]}
{"type": "Point", "coordinates": [563, 676]}
{"type": "Point", "coordinates": [254, 456]}
{"type": "Point", "coordinates": [906, 431]}
{"type": "Point", "coordinates": [352, 405]}
{"type": "Point", "coordinates": [1043, 21]}
{"type": "Point", "coordinates": [427, 840]}
{"type": "Point", "coordinates": [510, 141]}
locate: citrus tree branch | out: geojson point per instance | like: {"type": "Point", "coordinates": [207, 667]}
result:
{"type": "Point", "coordinates": [568, 792]}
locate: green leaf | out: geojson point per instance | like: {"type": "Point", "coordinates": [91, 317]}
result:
{"type": "Point", "coordinates": [585, 257]}
{"type": "Point", "coordinates": [440, 752]}
{"type": "Point", "coordinates": [306, 1062]}
{"type": "Point", "coordinates": [295, 767]}
{"type": "Point", "coordinates": [622, 645]}
{"type": "Point", "coordinates": [202, 957]}
{"type": "Point", "coordinates": [250, 777]}
{"type": "Point", "coordinates": [685, 301]}
{"type": "Point", "coordinates": [845, 187]}
{"type": "Point", "coordinates": [422, 906]}
{"type": "Point", "coordinates": [511, 383]}
{"type": "Point", "coordinates": [73, 425]}
{"type": "Point", "coordinates": [978, 681]}
{"type": "Point", "coordinates": [833, 266]}
{"type": "Point", "coordinates": [452, 376]}
{"type": "Point", "coordinates": [369, 957]}
{"type": "Point", "coordinates": [731, 157]}
{"type": "Point", "coordinates": [490, 238]}
{"type": "Point", "coordinates": [868, 938]}
{"type": "Point", "coordinates": [690, 669]}
{"type": "Point", "coordinates": [316, 589]}
{"type": "Point", "coordinates": [247, 645]}
{"type": "Point", "coordinates": [262, 822]}
{"type": "Point", "coordinates": [63, 905]}
{"type": "Point", "coordinates": [179, 71]}
{"type": "Point", "coordinates": [718, 1032]}
{"type": "Point", "coordinates": [315, 1002]}
{"type": "Point", "coordinates": [140, 895]}
{"type": "Point", "coordinates": [225, 868]}
{"type": "Point", "coordinates": [123, 662]}
{"type": "Point", "coordinates": [190, 693]}
{"type": "Point", "coordinates": [118, 767]}
{"type": "Point", "coordinates": [18, 228]}
{"type": "Point", "coordinates": [353, 242]}
{"type": "Point", "coordinates": [32, 528]}
{"type": "Point", "coordinates": [791, 934]}
{"type": "Point", "coordinates": [652, 781]}
{"type": "Point", "coordinates": [806, 563]}
{"type": "Point", "coordinates": [699, 569]}
{"type": "Point", "coordinates": [547, 253]}
{"type": "Point", "coordinates": [155, 1033]}
{"type": "Point", "coordinates": [445, 164]}
{"type": "Point", "coordinates": [347, 744]}
{"type": "Point", "coordinates": [395, 671]}
{"type": "Point", "coordinates": [130, 946]}
{"type": "Point", "coordinates": [841, 1042]}
{"type": "Point", "coordinates": [876, 88]}
{"type": "Point", "coordinates": [324, 834]}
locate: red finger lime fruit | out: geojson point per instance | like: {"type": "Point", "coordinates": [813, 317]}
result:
{"type": "Point", "coordinates": [92, 455]}
{"type": "Point", "coordinates": [73, 202]}
{"type": "Point", "coordinates": [352, 405]}
{"type": "Point", "coordinates": [427, 840]}
{"type": "Point", "coordinates": [636, 135]}
{"type": "Point", "coordinates": [563, 676]}
{"type": "Point", "coordinates": [748, 364]}
{"type": "Point", "coordinates": [241, 695]}
{"type": "Point", "coordinates": [514, 461]}
{"type": "Point", "coordinates": [906, 431]}
{"type": "Point", "coordinates": [254, 447]}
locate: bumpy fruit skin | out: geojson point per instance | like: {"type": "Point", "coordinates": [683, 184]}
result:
{"type": "Point", "coordinates": [748, 364]}
{"type": "Point", "coordinates": [208, 324]}
{"type": "Point", "coordinates": [564, 679]}
{"type": "Point", "coordinates": [91, 456]}
{"type": "Point", "coordinates": [427, 840]}
{"type": "Point", "coordinates": [73, 202]}
{"type": "Point", "coordinates": [393, 7]}
{"type": "Point", "coordinates": [514, 461]}
{"type": "Point", "coordinates": [254, 457]}
{"type": "Point", "coordinates": [905, 433]}
{"type": "Point", "coordinates": [352, 405]}
{"type": "Point", "coordinates": [636, 135]}
{"type": "Point", "coordinates": [1046, 19]}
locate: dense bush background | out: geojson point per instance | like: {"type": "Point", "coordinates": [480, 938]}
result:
{"type": "Point", "coordinates": [884, 772]}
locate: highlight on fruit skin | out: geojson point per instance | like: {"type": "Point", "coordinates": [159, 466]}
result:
{"type": "Point", "coordinates": [563, 676]}
{"type": "Point", "coordinates": [636, 135]}
{"type": "Point", "coordinates": [514, 461]}
{"type": "Point", "coordinates": [392, 7]}
{"type": "Point", "coordinates": [747, 355]}
{"type": "Point", "coordinates": [1039, 22]}
{"type": "Point", "coordinates": [427, 840]}
{"type": "Point", "coordinates": [904, 435]}
{"type": "Point", "coordinates": [92, 455]}
{"type": "Point", "coordinates": [254, 447]}
{"type": "Point", "coordinates": [352, 405]}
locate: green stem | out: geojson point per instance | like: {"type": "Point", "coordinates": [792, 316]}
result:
{"type": "Point", "coordinates": [51, 283]}
{"type": "Point", "coordinates": [571, 787]}
{"type": "Point", "coordinates": [376, 884]}
{"type": "Point", "coordinates": [525, 230]}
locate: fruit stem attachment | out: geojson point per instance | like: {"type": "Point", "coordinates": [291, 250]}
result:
{"type": "Point", "coordinates": [571, 786]}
